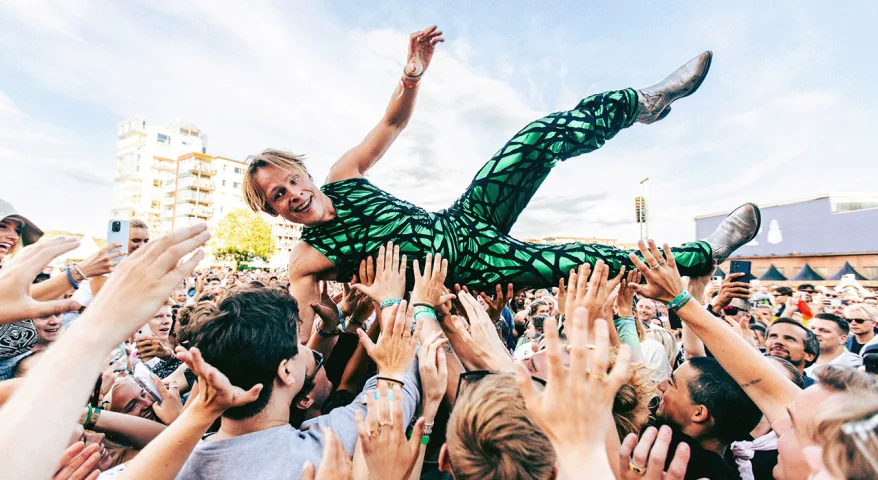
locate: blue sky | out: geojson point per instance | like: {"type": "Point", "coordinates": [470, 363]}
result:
{"type": "Point", "coordinates": [788, 111]}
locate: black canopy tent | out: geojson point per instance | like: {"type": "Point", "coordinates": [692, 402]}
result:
{"type": "Point", "coordinates": [846, 269]}
{"type": "Point", "coordinates": [772, 275]}
{"type": "Point", "coordinates": [806, 274]}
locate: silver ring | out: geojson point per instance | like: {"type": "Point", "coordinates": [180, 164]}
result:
{"type": "Point", "coordinates": [655, 267]}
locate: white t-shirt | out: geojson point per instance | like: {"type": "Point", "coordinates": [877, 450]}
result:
{"type": "Point", "coordinates": [846, 359]}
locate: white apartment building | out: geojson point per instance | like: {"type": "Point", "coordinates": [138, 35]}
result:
{"type": "Point", "coordinates": [146, 158]}
{"type": "Point", "coordinates": [229, 174]}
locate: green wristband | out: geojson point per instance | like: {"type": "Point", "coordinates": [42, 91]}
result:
{"type": "Point", "coordinates": [679, 301]}
{"type": "Point", "coordinates": [390, 302]}
{"type": "Point", "coordinates": [425, 439]}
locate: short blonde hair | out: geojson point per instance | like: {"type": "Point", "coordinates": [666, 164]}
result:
{"type": "Point", "coordinates": [870, 310]}
{"type": "Point", "coordinates": [842, 456]}
{"type": "Point", "coordinates": [284, 161]}
{"type": "Point", "coordinates": [496, 439]}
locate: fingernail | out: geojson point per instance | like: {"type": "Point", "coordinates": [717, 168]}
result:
{"type": "Point", "coordinates": [376, 395]}
{"type": "Point", "coordinates": [390, 395]}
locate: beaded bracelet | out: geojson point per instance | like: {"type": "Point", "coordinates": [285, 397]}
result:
{"type": "Point", "coordinates": [390, 302]}
{"type": "Point", "coordinates": [679, 301]}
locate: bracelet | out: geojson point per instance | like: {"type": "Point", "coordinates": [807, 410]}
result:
{"type": "Point", "coordinates": [78, 271]}
{"type": "Point", "coordinates": [423, 304]}
{"type": "Point", "coordinates": [679, 301]}
{"type": "Point", "coordinates": [423, 311]}
{"type": "Point", "coordinates": [70, 279]}
{"type": "Point", "coordinates": [329, 333]}
{"type": "Point", "coordinates": [425, 439]}
{"type": "Point", "coordinates": [88, 412]}
{"type": "Point", "coordinates": [391, 380]}
{"type": "Point", "coordinates": [94, 414]}
{"type": "Point", "coordinates": [390, 302]}
{"type": "Point", "coordinates": [428, 428]}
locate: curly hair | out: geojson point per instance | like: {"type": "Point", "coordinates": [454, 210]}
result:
{"type": "Point", "coordinates": [631, 405]}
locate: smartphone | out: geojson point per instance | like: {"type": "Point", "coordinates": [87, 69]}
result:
{"type": "Point", "coordinates": [143, 378]}
{"type": "Point", "coordinates": [144, 332]}
{"type": "Point", "coordinates": [741, 266]}
{"type": "Point", "coordinates": [117, 232]}
{"type": "Point", "coordinates": [717, 280]}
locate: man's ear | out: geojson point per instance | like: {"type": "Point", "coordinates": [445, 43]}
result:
{"type": "Point", "coordinates": [445, 459]}
{"type": "Point", "coordinates": [700, 415]}
{"type": "Point", "coordinates": [285, 372]}
{"type": "Point", "coordinates": [305, 403]}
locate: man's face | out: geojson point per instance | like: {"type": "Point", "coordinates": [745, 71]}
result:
{"type": "Point", "coordinates": [739, 309]}
{"type": "Point", "coordinates": [292, 195]}
{"type": "Point", "coordinates": [543, 311]}
{"type": "Point", "coordinates": [645, 310]}
{"type": "Point", "coordinates": [676, 406]}
{"type": "Point", "coordinates": [788, 342]}
{"type": "Point", "coordinates": [49, 328]}
{"type": "Point", "coordinates": [129, 398]}
{"type": "Point", "coordinates": [180, 297]}
{"type": "Point", "coordinates": [137, 237]}
{"type": "Point", "coordinates": [828, 334]}
{"type": "Point", "coordinates": [160, 323]}
{"type": "Point", "coordinates": [791, 463]}
{"type": "Point", "coordinates": [859, 321]}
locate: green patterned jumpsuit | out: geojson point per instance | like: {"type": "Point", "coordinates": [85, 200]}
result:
{"type": "Point", "coordinates": [474, 233]}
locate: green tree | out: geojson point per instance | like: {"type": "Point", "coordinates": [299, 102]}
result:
{"type": "Point", "coordinates": [243, 236]}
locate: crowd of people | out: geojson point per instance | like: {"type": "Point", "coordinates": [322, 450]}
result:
{"type": "Point", "coordinates": [159, 370]}
{"type": "Point", "coordinates": [404, 344]}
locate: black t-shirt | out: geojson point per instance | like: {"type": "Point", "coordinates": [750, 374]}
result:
{"type": "Point", "coordinates": [856, 346]}
{"type": "Point", "coordinates": [702, 463]}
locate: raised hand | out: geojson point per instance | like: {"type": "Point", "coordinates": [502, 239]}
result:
{"type": "Point", "coordinates": [480, 336]}
{"type": "Point", "coordinates": [144, 281]}
{"type": "Point", "coordinates": [216, 394]}
{"type": "Point", "coordinates": [395, 349]}
{"type": "Point", "coordinates": [335, 464]}
{"type": "Point", "coordinates": [389, 275]}
{"type": "Point", "coordinates": [430, 286]}
{"type": "Point", "coordinates": [151, 347]}
{"type": "Point", "coordinates": [101, 262]}
{"type": "Point", "coordinates": [389, 455]}
{"type": "Point", "coordinates": [646, 460]}
{"type": "Point", "coordinates": [79, 462]}
{"type": "Point", "coordinates": [498, 302]}
{"type": "Point", "coordinates": [433, 370]}
{"type": "Point", "coordinates": [663, 282]}
{"type": "Point", "coordinates": [575, 405]}
{"type": "Point", "coordinates": [625, 300]}
{"type": "Point", "coordinates": [325, 308]}
{"type": "Point", "coordinates": [728, 290]}
{"type": "Point", "coordinates": [422, 44]}
{"type": "Point", "coordinates": [17, 277]}
{"type": "Point", "coordinates": [171, 406]}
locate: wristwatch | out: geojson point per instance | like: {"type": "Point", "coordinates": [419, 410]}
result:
{"type": "Point", "coordinates": [329, 333]}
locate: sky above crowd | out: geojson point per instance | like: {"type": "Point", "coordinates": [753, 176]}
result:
{"type": "Point", "coordinates": [788, 111]}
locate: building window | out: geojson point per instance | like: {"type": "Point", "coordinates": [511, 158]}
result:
{"type": "Point", "coordinates": [224, 183]}
{"type": "Point", "coordinates": [221, 209]}
{"type": "Point", "coordinates": [822, 271]}
{"type": "Point", "coordinates": [154, 204]}
{"type": "Point", "coordinates": [761, 271]}
{"type": "Point", "coordinates": [164, 138]}
{"type": "Point", "coordinates": [236, 185]}
{"type": "Point", "coordinates": [237, 169]}
{"type": "Point", "coordinates": [870, 272]}
{"type": "Point", "coordinates": [157, 182]}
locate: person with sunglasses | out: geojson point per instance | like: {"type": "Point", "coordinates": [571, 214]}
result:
{"type": "Point", "coordinates": [861, 318]}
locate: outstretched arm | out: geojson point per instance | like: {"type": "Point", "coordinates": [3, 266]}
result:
{"type": "Point", "coordinates": [356, 161]}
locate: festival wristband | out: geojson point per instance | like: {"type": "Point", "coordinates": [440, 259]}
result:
{"type": "Point", "coordinates": [679, 301]}
{"type": "Point", "coordinates": [422, 311]}
{"type": "Point", "coordinates": [390, 302]}
{"type": "Point", "coordinates": [425, 439]}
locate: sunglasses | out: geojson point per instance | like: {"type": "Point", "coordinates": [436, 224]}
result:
{"type": "Point", "coordinates": [732, 310]}
{"type": "Point", "coordinates": [475, 376]}
{"type": "Point", "coordinates": [308, 383]}
{"type": "Point", "coordinates": [858, 321]}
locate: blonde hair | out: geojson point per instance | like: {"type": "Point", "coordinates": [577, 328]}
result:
{"type": "Point", "coordinates": [666, 338]}
{"type": "Point", "coordinates": [631, 404]}
{"type": "Point", "coordinates": [870, 310]}
{"type": "Point", "coordinates": [843, 455]}
{"type": "Point", "coordinates": [496, 439]}
{"type": "Point", "coordinates": [284, 161]}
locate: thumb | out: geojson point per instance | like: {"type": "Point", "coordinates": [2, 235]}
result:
{"type": "Point", "coordinates": [366, 341]}
{"type": "Point", "coordinates": [163, 390]}
{"type": "Point", "coordinates": [249, 396]}
{"type": "Point", "coordinates": [415, 441]}
{"type": "Point", "coordinates": [54, 307]}
{"type": "Point", "coordinates": [308, 471]}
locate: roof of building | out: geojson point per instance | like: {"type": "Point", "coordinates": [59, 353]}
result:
{"type": "Point", "coordinates": [838, 224]}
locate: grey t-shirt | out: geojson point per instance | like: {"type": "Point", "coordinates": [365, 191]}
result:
{"type": "Point", "coordinates": [279, 452]}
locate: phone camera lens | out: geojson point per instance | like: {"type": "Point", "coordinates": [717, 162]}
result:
{"type": "Point", "coordinates": [117, 226]}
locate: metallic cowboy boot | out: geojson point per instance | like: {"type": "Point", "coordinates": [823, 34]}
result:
{"type": "Point", "coordinates": [655, 101]}
{"type": "Point", "coordinates": [736, 230]}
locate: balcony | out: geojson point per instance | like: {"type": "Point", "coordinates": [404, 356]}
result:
{"type": "Point", "coordinates": [198, 212]}
{"type": "Point", "coordinates": [202, 168]}
{"type": "Point", "coordinates": [164, 166]}
{"type": "Point", "coordinates": [195, 197]}
{"type": "Point", "coordinates": [194, 183]}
